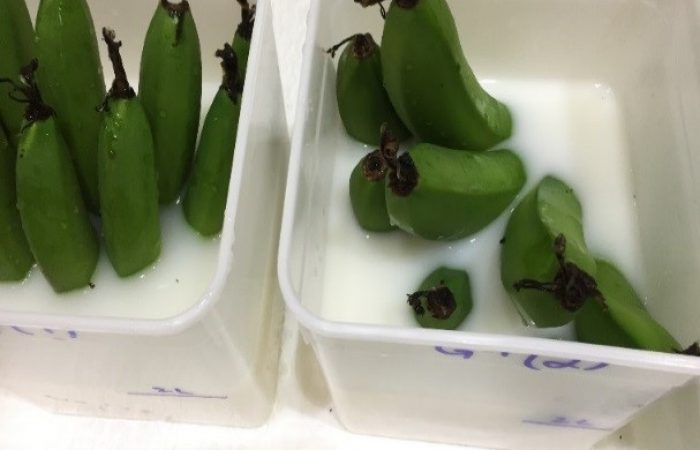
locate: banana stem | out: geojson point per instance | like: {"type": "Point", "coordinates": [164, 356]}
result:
{"type": "Point", "coordinates": [571, 286]}
{"type": "Point", "coordinates": [36, 110]}
{"type": "Point", "coordinates": [333, 50]}
{"type": "Point", "coordinates": [232, 82]}
{"type": "Point", "coordinates": [363, 46]}
{"type": "Point", "coordinates": [388, 144]}
{"type": "Point", "coordinates": [374, 166]}
{"type": "Point", "coordinates": [403, 177]}
{"type": "Point", "coordinates": [120, 86]}
{"type": "Point", "coordinates": [245, 28]}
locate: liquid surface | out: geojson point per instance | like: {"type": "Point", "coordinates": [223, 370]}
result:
{"type": "Point", "coordinates": [178, 280]}
{"type": "Point", "coordinates": [573, 131]}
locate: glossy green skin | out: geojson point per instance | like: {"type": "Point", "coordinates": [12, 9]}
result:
{"type": "Point", "coordinates": [626, 322]}
{"type": "Point", "coordinates": [549, 210]}
{"type": "Point", "coordinates": [128, 188]}
{"type": "Point", "coordinates": [205, 201]}
{"type": "Point", "coordinates": [15, 257]}
{"type": "Point", "coordinates": [458, 193]}
{"type": "Point", "coordinates": [241, 46]}
{"type": "Point", "coordinates": [460, 286]}
{"type": "Point", "coordinates": [431, 84]}
{"type": "Point", "coordinates": [52, 208]}
{"type": "Point", "coordinates": [16, 51]}
{"type": "Point", "coordinates": [368, 201]}
{"type": "Point", "coordinates": [70, 78]}
{"type": "Point", "coordinates": [170, 90]}
{"type": "Point", "coordinates": [363, 103]}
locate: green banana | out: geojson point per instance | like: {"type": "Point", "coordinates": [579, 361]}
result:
{"type": "Point", "coordinates": [443, 194]}
{"type": "Point", "coordinates": [16, 50]}
{"type": "Point", "coordinates": [430, 82]}
{"type": "Point", "coordinates": [127, 175]}
{"type": "Point", "coordinates": [622, 320]}
{"type": "Point", "coordinates": [15, 256]}
{"type": "Point", "coordinates": [363, 103]}
{"type": "Point", "coordinates": [243, 36]}
{"type": "Point", "coordinates": [70, 76]}
{"type": "Point", "coordinates": [545, 264]}
{"type": "Point", "coordinates": [170, 90]}
{"type": "Point", "coordinates": [367, 191]}
{"type": "Point", "coordinates": [443, 300]}
{"type": "Point", "coordinates": [205, 200]}
{"type": "Point", "coordinates": [53, 212]}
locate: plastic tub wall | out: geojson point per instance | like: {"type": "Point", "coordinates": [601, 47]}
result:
{"type": "Point", "coordinates": [501, 391]}
{"type": "Point", "coordinates": [216, 363]}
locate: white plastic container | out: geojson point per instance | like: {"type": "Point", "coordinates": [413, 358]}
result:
{"type": "Point", "coordinates": [211, 357]}
{"type": "Point", "coordinates": [500, 385]}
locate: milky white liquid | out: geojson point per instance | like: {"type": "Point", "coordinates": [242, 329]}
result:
{"type": "Point", "coordinates": [572, 131]}
{"type": "Point", "coordinates": [176, 282]}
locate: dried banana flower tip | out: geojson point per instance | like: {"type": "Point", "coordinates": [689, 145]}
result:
{"type": "Point", "coordinates": [27, 91]}
{"type": "Point", "coordinates": [232, 82]}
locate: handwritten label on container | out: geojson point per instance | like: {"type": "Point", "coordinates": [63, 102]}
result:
{"type": "Point", "coordinates": [43, 332]}
{"type": "Point", "coordinates": [532, 362]}
{"type": "Point", "coordinates": [159, 391]}
{"type": "Point", "coordinates": [566, 422]}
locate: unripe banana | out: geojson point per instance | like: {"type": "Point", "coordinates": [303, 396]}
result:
{"type": "Point", "coordinates": [430, 82]}
{"type": "Point", "coordinates": [127, 176]}
{"type": "Point", "coordinates": [205, 201]}
{"type": "Point", "coordinates": [16, 50]}
{"type": "Point", "coordinates": [443, 194]}
{"type": "Point", "coordinates": [367, 193]}
{"type": "Point", "coordinates": [170, 90]}
{"type": "Point", "coordinates": [15, 257]}
{"type": "Point", "coordinates": [545, 264]}
{"type": "Point", "coordinates": [443, 300]}
{"type": "Point", "coordinates": [367, 181]}
{"type": "Point", "coordinates": [623, 320]}
{"type": "Point", "coordinates": [362, 100]}
{"type": "Point", "coordinates": [53, 212]}
{"type": "Point", "coordinates": [243, 36]}
{"type": "Point", "coordinates": [70, 76]}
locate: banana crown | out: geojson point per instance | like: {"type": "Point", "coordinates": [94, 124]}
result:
{"type": "Point", "coordinates": [28, 88]}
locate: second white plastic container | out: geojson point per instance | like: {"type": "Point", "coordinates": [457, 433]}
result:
{"type": "Point", "coordinates": [496, 389]}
